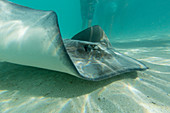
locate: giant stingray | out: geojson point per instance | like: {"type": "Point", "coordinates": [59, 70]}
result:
{"type": "Point", "coordinates": [32, 38]}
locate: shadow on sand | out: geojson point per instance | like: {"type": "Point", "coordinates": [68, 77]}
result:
{"type": "Point", "coordinates": [39, 82]}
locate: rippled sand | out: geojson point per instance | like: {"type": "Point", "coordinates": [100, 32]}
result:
{"type": "Point", "coordinates": [32, 90]}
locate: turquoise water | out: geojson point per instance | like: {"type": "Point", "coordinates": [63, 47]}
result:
{"type": "Point", "coordinates": [141, 29]}
{"type": "Point", "coordinates": [131, 16]}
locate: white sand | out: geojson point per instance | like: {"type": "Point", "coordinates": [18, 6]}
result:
{"type": "Point", "coordinates": [31, 90]}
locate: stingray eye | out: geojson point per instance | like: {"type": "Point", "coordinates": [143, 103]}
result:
{"type": "Point", "coordinates": [87, 48]}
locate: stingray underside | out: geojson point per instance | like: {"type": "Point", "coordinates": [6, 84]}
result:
{"type": "Point", "coordinates": [32, 37]}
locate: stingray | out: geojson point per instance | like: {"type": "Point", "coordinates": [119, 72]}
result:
{"type": "Point", "coordinates": [32, 38]}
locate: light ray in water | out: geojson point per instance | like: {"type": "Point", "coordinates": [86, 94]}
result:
{"type": "Point", "coordinates": [63, 105]}
{"type": "Point", "coordinates": [3, 105]}
{"type": "Point", "coordinates": [14, 33]}
{"type": "Point", "coordinates": [157, 61]}
{"type": "Point", "coordinates": [4, 6]}
{"type": "Point", "coordinates": [138, 96]}
{"type": "Point", "coordinates": [160, 72]}
{"type": "Point", "coordinates": [3, 91]}
{"type": "Point", "coordinates": [90, 103]}
{"type": "Point", "coordinates": [142, 100]}
{"type": "Point", "coordinates": [50, 42]}
{"type": "Point", "coordinates": [85, 104]}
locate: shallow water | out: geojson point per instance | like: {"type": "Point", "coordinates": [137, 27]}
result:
{"type": "Point", "coordinates": [27, 89]}
{"type": "Point", "coordinates": [34, 90]}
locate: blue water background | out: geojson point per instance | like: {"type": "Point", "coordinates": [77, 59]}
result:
{"type": "Point", "coordinates": [132, 16]}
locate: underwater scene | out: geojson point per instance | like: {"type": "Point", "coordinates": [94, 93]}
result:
{"type": "Point", "coordinates": [84, 56]}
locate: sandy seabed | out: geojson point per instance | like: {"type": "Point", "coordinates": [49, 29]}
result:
{"type": "Point", "coordinates": [32, 90]}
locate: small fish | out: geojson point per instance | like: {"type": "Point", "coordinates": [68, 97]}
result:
{"type": "Point", "coordinates": [32, 37]}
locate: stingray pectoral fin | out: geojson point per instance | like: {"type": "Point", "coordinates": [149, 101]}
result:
{"type": "Point", "coordinates": [94, 57]}
{"type": "Point", "coordinates": [32, 38]}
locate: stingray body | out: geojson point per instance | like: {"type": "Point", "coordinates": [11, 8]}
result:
{"type": "Point", "coordinates": [32, 38]}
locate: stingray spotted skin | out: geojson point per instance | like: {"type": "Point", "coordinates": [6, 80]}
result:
{"type": "Point", "coordinates": [32, 38]}
{"type": "Point", "coordinates": [94, 57]}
